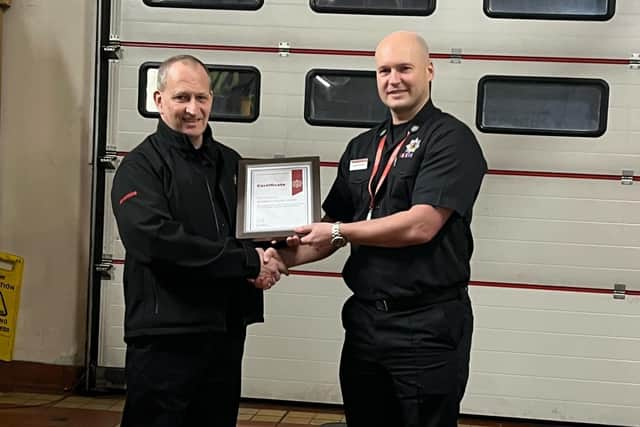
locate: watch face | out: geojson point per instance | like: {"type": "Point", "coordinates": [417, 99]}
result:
{"type": "Point", "coordinates": [338, 242]}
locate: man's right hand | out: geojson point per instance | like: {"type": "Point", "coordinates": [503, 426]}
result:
{"type": "Point", "coordinates": [271, 266]}
{"type": "Point", "coordinates": [275, 258]}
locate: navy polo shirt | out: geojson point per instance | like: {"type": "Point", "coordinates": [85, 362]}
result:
{"type": "Point", "coordinates": [439, 164]}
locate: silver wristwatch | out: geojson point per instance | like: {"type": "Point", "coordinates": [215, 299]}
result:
{"type": "Point", "coordinates": [337, 239]}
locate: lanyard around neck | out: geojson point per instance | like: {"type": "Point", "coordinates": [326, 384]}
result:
{"type": "Point", "coordinates": [385, 171]}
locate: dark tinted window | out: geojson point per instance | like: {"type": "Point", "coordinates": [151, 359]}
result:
{"type": "Point", "coordinates": [542, 105]}
{"type": "Point", "coordinates": [236, 92]}
{"type": "Point", "coordinates": [208, 4]}
{"type": "Point", "coordinates": [342, 98]}
{"type": "Point", "coordinates": [375, 7]}
{"type": "Point", "coordinates": [551, 9]}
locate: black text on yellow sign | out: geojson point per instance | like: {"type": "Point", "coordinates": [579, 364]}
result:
{"type": "Point", "coordinates": [11, 267]}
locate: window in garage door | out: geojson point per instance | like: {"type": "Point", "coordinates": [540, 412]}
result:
{"type": "Point", "coordinates": [375, 7]}
{"type": "Point", "coordinates": [236, 92]}
{"type": "Point", "coordinates": [542, 105]}
{"type": "Point", "coordinates": [208, 4]}
{"type": "Point", "coordinates": [580, 10]}
{"type": "Point", "coordinates": [342, 98]}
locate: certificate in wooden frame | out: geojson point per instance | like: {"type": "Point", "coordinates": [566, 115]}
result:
{"type": "Point", "coordinates": [277, 195]}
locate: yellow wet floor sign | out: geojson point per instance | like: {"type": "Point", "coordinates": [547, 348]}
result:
{"type": "Point", "coordinates": [10, 280]}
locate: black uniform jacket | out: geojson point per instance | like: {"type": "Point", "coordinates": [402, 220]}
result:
{"type": "Point", "coordinates": [440, 164]}
{"type": "Point", "coordinates": [175, 207]}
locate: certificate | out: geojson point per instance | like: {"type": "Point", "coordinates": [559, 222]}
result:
{"type": "Point", "coordinates": [277, 195]}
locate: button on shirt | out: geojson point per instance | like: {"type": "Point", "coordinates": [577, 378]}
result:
{"type": "Point", "coordinates": [440, 164]}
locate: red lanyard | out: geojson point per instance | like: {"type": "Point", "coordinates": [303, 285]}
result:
{"type": "Point", "coordinates": [386, 169]}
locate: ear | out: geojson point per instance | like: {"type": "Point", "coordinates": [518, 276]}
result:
{"type": "Point", "coordinates": [430, 70]}
{"type": "Point", "coordinates": [157, 98]}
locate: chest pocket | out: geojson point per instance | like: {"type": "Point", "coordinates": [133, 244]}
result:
{"type": "Point", "coordinates": [358, 188]}
{"type": "Point", "coordinates": [401, 183]}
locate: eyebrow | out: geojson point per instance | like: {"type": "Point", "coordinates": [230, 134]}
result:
{"type": "Point", "coordinates": [402, 64]}
{"type": "Point", "coordinates": [183, 92]}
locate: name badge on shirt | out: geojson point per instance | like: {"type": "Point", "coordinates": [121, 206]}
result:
{"type": "Point", "coordinates": [358, 164]}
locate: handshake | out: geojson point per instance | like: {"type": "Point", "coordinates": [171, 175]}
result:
{"type": "Point", "coordinates": [272, 266]}
{"type": "Point", "coordinates": [311, 242]}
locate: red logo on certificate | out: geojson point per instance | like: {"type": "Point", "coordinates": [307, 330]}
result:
{"type": "Point", "coordinates": [296, 181]}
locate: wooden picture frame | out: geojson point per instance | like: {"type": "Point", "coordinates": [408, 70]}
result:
{"type": "Point", "coordinates": [277, 195]}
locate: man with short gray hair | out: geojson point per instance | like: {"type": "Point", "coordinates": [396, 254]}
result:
{"type": "Point", "coordinates": [191, 288]}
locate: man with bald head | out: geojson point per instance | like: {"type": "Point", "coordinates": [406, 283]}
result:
{"type": "Point", "coordinates": [190, 287]}
{"type": "Point", "coordinates": [403, 198]}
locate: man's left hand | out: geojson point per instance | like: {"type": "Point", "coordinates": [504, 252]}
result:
{"type": "Point", "coordinates": [316, 235]}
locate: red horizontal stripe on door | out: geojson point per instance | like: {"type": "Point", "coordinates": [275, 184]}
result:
{"type": "Point", "coordinates": [510, 172]}
{"type": "Point", "coordinates": [508, 285]}
{"type": "Point", "coordinates": [344, 52]}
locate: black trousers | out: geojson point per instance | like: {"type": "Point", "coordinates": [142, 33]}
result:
{"type": "Point", "coordinates": [406, 368]}
{"type": "Point", "coordinates": [184, 380]}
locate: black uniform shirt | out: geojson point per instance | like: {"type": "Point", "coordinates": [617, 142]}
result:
{"type": "Point", "coordinates": [396, 134]}
{"type": "Point", "coordinates": [439, 164]}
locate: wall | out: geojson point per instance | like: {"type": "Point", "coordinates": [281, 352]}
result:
{"type": "Point", "coordinates": [45, 133]}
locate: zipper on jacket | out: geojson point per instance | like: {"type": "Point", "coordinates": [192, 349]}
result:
{"type": "Point", "coordinates": [156, 310]}
{"type": "Point", "coordinates": [213, 207]}
{"type": "Point", "coordinates": [226, 205]}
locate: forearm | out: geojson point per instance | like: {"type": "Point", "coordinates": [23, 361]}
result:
{"type": "Point", "coordinates": [304, 254]}
{"type": "Point", "coordinates": [415, 226]}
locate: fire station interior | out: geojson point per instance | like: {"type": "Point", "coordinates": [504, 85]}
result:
{"type": "Point", "coordinates": [53, 113]}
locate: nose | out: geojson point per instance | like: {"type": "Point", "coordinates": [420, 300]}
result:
{"type": "Point", "coordinates": [191, 106]}
{"type": "Point", "coordinates": [394, 76]}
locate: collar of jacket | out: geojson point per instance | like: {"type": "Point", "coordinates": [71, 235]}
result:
{"type": "Point", "coordinates": [426, 114]}
{"type": "Point", "coordinates": [182, 143]}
